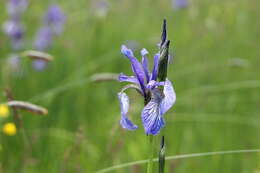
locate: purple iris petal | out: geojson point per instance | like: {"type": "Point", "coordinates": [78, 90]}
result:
{"type": "Point", "coordinates": [39, 65]}
{"type": "Point", "coordinates": [169, 97]}
{"type": "Point", "coordinates": [124, 106]}
{"type": "Point", "coordinates": [124, 78]}
{"type": "Point", "coordinates": [152, 84]}
{"type": "Point", "coordinates": [43, 39]}
{"type": "Point", "coordinates": [144, 52]}
{"type": "Point", "coordinates": [136, 66]}
{"type": "Point", "coordinates": [55, 18]}
{"type": "Point", "coordinates": [155, 67]}
{"type": "Point", "coordinates": [151, 117]}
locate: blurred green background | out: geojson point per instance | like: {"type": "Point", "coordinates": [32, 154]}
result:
{"type": "Point", "coordinates": [215, 73]}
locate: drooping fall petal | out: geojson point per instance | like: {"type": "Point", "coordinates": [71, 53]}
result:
{"type": "Point", "coordinates": [124, 106]}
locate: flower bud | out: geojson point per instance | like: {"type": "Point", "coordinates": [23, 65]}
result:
{"type": "Point", "coordinates": [163, 61]}
{"type": "Point", "coordinates": [162, 156]}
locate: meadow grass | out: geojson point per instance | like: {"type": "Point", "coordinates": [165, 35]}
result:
{"type": "Point", "coordinates": [215, 72]}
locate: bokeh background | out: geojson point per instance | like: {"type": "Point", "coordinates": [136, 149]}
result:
{"type": "Point", "coordinates": [215, 71]}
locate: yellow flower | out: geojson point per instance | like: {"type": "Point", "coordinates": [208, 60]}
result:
{"type": "Point", "coordinates": [9, 129]}
{"type": "Point", "coordinates": [4, 111]}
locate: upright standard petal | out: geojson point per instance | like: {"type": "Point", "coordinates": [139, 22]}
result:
{"type": "Point", "coordinates": [155, 66]}
{"type": "Point", "coordinates": [136, 66]}
{"type": "Point", "coordinates": [151, 117]}
{"type": "Point", "coordinates": [144, 52]}
{"type": "Point", "coordinates": [124, 78]}
{"type": "Point", "coordinates": [169, 97]}
{"type": "Point", "coordinates": [124, 106]}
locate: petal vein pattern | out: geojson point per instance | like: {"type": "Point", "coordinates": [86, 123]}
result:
{"type": "Point", "coordinates": [151, 117]}
{"type": "Point", "coordinates": [169, 97]}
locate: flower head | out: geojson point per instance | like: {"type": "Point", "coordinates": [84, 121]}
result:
{"type": "Point", "coordinates": [16, 7]}
{"type": "Point", "coordinates": [39, 65]}
{"type": "Point", "coordinates": [156, 89]}
{"type": "Point", "coordinates": [9, 129]}
{"type": "Point", "coordinates": [15, 30]}
{"type": "Point", "coordinates": [53, 24]}
{"type": "Point", "coordinates": [4, 110]}
{"type": "Point", "coordinates": [13, 26]}
{"type": "Point", "coordinates": [43, 39]}
{"type": "Point", "coordinates": [55, 19]}
{"type": "Point", "coordinates": [42, 42]}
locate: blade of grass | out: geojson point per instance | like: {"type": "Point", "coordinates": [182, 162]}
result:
{"type": "Point", "coordinates": [182, 156]}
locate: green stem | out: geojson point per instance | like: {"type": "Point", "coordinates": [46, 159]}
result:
{"type": "Point", "coordinates": [151, 151]}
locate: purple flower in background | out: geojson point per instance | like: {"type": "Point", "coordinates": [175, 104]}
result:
{"type": "Point", "coordinates": [13, 26]}
{"type": "Point", "coordinates": [53, 24]}
{"type": "Point", "coordinates": [16, 7]}
{"type": "Point", "coordinates": [55, 19]}
{"type": "Point", "coordinates": [39, 65]}
{"type": "Point", "coordinates": [180, 3]}
{"type": "Point", "coordinates": [15, 30]}
{"type": "Point", "coordinates": [158, 93]}
{"type": "Point", "coordinates": [42, 42]}
{"type": "Point", "coordinates": [43, 39]}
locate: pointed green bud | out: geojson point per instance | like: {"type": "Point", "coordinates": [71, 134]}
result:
{"type": "Point", "coordinates": [164, 33]}
{"type": "Point", "coordinates": [163, 62]}
{"type": "Point", "coordinates": [162, 157]}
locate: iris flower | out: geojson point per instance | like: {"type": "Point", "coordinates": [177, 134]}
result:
{"type": "Point", "coordinates": [158, 92]}
{"type": "Point", "coordinates": [53, 25]}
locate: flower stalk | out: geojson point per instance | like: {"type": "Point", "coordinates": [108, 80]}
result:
{"type": "Point", "coordinates": [151, 154]}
